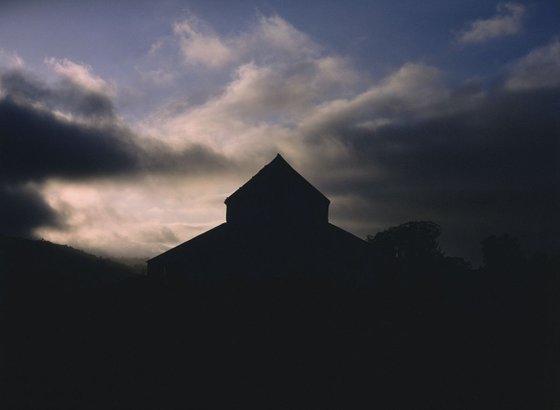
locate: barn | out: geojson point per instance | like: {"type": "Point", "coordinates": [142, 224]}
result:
{"type": "Point", "coordinates": [277, 226]}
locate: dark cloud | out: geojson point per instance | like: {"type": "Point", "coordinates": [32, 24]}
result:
{"type": "Point", "coordinates": [489, 169]}
{"type": "Point", "coordinates": [65, 95]}
{"type": "Point", "coordinates": [36, 144]}
{"type": "Point", "coordinates": [22, 209]}
{"type": "Point", "coordinates": [194, 160]}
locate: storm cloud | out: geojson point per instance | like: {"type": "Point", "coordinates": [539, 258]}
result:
{"type": "Point", "coordinates": [85, 141]}
{"type": "Point", "coordinates": [492, 167]}
{"type": "Point", "coordinates": [35, 145]}
{"type": "Point", "coordinates": [66, 95]}
{"type": "Point", "coordinates": [23, 209]}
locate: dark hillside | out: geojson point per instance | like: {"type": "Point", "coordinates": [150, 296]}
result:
{"type": "Point", "coordinates": [56, 306]}
{"type": "Point", "coordinates": [39, 264]}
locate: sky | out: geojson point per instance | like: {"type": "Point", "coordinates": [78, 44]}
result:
{"type": "Point", "coordinates": [124, 125]}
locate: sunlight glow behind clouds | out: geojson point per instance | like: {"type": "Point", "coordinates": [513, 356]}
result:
{"type": "Point", "coordinates": [128, 216]}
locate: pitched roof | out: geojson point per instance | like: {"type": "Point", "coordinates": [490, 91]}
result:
{"type": "Point", "coordinates": [279, 178]}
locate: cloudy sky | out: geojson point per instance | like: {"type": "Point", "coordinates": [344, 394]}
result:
{"type": "Point", "coordinates": [125, 125]}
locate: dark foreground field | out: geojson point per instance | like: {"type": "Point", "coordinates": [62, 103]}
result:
{"type": "Point", "coordinates": [442, 336]}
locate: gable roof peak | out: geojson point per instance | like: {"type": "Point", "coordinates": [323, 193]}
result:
{"type": "Point", "coordinates": [277, 174]}
{"type": "Point", "coordinates": [278, 161]}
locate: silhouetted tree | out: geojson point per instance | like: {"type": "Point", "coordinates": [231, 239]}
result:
{"type": "Point", "coordinates": [410, 250]}
{"type": "Point", "coordinates": [416, 240]}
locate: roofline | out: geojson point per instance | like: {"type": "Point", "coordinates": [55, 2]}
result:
{"type": "Point", "coordinates": [175, 248]}
{"type": "Point", "coordinates": [277, 157]}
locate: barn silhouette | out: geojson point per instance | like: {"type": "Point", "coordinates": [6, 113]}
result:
{"type": "Point", "coordinates": [277, 226]}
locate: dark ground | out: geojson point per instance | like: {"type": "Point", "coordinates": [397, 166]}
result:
{"type": "Point", "coordinates": [431, 334]}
